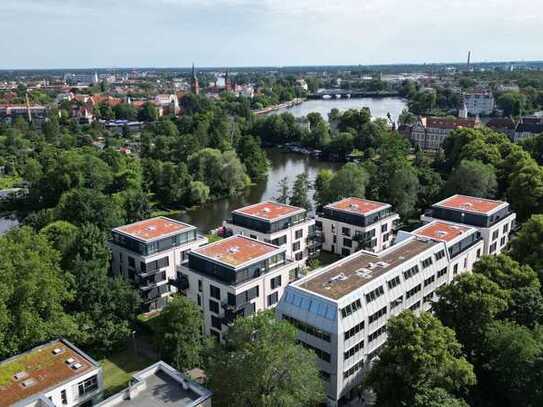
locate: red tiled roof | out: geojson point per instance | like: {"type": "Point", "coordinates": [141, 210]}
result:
{"type": "Point", "coordinates": [269, 210]}
{"type": "Point", "coordinates": [236, 250]}
{"type": "Point", "coordinates": [449, 123]}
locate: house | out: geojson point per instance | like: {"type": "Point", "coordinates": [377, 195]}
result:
{"type": "Point", "coordinates": [493, 219]}
{"type": "Point", "coordinates": [504, 125]}
{"type": "Point", "coordinates": [169, 104]}
{"type": "Point", "coordinates": [35, 113]}
{"type": "Point", "coordinates": [53, 374]}
{"type": "Point", "coordinates": [160, 385]}
{"type": "Point", "coordinates": [528, 126]}
{"type": "Point", "coordinates": [150, 253]}
{"type": "Point", "coordinates": [234, 277]}
{"type": "Point", "coordinates": [430, 132]}
{"type": "Point", "coordinates": [354, 223]}
{"type": "Point", "coordinates": [279, 224]}
{"type": "Point", "coordinates": [479, 103]}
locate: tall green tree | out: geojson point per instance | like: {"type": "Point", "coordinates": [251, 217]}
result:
{"type": "Point", "coordinates": [300, 192]}
{"type": "Point", "coordinates": [525, 191]}
{"type": "Point", "coordinates": [527, 246]}
{"type": "Point", "coordinates": [262, 365]}
{"type": "Point", "coordinates": [472, 178]}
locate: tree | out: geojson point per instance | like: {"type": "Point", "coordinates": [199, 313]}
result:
{"type": "Point", "coordinates": [199, 192]}
{"type": "Point", "coordinates": [506, 272]}
{"type": "Point", "coordinates": [437, 397]}
{"type": "Point", "coordinates": [62, 236]}
{"type": "Point", "coordinates": [179, 334]}
{"type": "Point", "coordinates": [525, 191]}
{"type": "Point", "coordinates": [125, 111]}
{"type": "Point", "coordinates": [253, 157]}
{"type": "Point", "coordinates": [419, 353]}
{"type": "Point", "coordinates": [300, 192]}
{"type": "Point", "coordinates": [261, 365]}
{"type": "Point", "coordinates": [283, 191]}
{"type": "Point", "coordinates": [526, 307]}
{"type": "Point", "coordinates": [512, 103]}
{"type": "Point", "coordinates": [399, 185]}
{"type": "Point", "coordinates": [350, 181]}
{"type": "Point", "coordinates": [473, 295]}
{"type": "Point", "coordinates": [33, 291]}
{"type": "Point", "coordinates": [322, 186]}
{"type": "Point", "coordinates": [527, 246]}
{"type": "Point", "coordinates": [472, 178]}
{"type": "Point", "coordinates": [148, 113]}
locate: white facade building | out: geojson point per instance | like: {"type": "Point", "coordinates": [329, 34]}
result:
{"type": "Point", "coordinates": [236, 276]}
{"type": "Point", "coordinates": [149, 252]}
{"type": "Point", "coordinates": [54, 374]}
{"type": "Point", "coordinates": [480, 103]}
{"type": "Point", "coordinates": [493, 219]}
{"type": "Point", "coordinates": [279, 224]}
{"type": "Point", "coordinates": [354, 223]}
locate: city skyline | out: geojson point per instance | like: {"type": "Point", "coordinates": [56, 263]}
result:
{"type": "Point", "coordinates": [174, 33]}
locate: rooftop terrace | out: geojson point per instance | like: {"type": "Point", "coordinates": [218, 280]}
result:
{"type": "Point", "coordinates": [357, 205]}
{"type": "Point", "coordinates": [151, 229]}
{"type": "Point", "coordinates": [353, 272]}
{"type": "Point", "coordinates": [471, 204]}
{"type": "Point", "coordinates": [236, 251]}
{"type": "Point", "coordinates": [269, 210]}
{"type": "Point", "coordinates": [441, 231]}
{"type": "Point", "coordinates": [40, 369]}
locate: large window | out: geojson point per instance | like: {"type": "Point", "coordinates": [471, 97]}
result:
{"type": "Point", "coordinates": [308, 329]}
{"type": "Point", "coordinates": [354, 330]}
{"type": "Point", "coordinates": [214, 306]}
{"type": "Point", "coordinates": [275, 282]}
{"type": "Point", "coordinates": [427, 262]}
{"type": "Point", "coordinates": [374, 294]}
{"type": "Point", "coordinates": [413, 291]}
{"type": "Point", "coordinates": [215, 292]}
{"type": "Point", "coordinates": [273, 298]}
{"type": "Point", "coordinates": [299, 234]}
{"type": "Point", "coordinates": [393, 282]}
{"type": "Point", "coordinates": [352, 307]}
{"type": "Point", "coordinates": [352, 351]}
{"type": "Point", "coordinates": [411, 272]}
{"type": "Point", "coordinates": [374, 317]}
{"type": "Point", "coordinates": [88, 385]}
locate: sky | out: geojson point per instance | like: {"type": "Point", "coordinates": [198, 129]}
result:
{"type": "Point", "coordinates": [41, 34]}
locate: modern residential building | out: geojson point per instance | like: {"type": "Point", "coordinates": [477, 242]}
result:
{"type": "Point", "coordinates": [236, 276]}
{"type": "Point", "coordinates": [429, 132]}
{"type": "Point", "coordinates": [479, 103]}
{"type": "Point", "coordinates": [279, 224]}
{"type": "Point", "coordinates": [341, 310]}
{"type": "Point", "coordinates": [160, 385]}
{"type": "Point", "coordinates": [149, 252]}
{"type": "Point", "coordinates": [54, 374]}
{"type": "Point", "coordinates": [354, 223]}
{"type": "Point", "coordinates": [493, 219]}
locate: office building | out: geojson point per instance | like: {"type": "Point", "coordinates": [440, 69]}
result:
{"type": "Point", "coordinates": [493, 219]}
{"type": "Point", "coordinates": [236, 276]}
{"type": "Point", "coordinates": [279, 224]}
{"type": "Point", "coordinates": [353, 224]}
{"type": "Point", "coordinates": [149, 253]}
{"type": "Point", "coordinates": [54, 374]}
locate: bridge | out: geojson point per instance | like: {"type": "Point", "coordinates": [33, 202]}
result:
{"type": "Point", "coordinates": [351, 93]}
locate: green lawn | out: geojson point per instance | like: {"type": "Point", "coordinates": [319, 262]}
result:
{"type": "Point", "coordinates": [119, 368]}
{"type": "Point", "coordinates": [9, 182]}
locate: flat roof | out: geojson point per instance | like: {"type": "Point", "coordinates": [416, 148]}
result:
{"type": "Point", "coordinates": [349, 274]}
{"type": "Point", "coordinates": [269, 210]}
{"type": "Point", "coordinates": [441, 231]}
{"type": "Point", "coordinates": [471, 204]}
{"type": "Point", "coordinates": [40, 369]}
{"type": "Point", "coordinates": [358, 206]}
{"type": "Point", "coordinates": [235, 251]}
{"type": "Point", "coordinates": [154, 228]}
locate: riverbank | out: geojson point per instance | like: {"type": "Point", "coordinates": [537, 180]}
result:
{"type": "Point", "coordinates": [286, 105]}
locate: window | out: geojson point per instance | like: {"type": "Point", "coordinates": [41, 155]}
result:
{"type": "Point", "coordinates": [428, 297]}
{"type": "Point", "coordinates": [374, 317]}
{"type": "Point", "coordinates": [352, 307]}
{"type": "Point", "coordinates": [333, 228]}
{"type": "Point", "coordinates": [299, 256]}
{"type": "Point", "coordinates": [87, 386]}
{"type": "Point", "coordinates": [253, 237]}
{"type": "Point", "coordinates": [63, 397]}
{"type": "Point", "coordinates": [427, 262]}
{"type": "Point", "coordinates": [396, 302]}
{"type": "Point", "coordinates": [455, 269]}
{"type": "Point", "coordinates": [353, 331]}
{"type": "Point", "coordinates": [308, 329]}
{"type": "Point", "coordinates": [413, 291]}
{"type": "Point", "coordinates": [353, 369]}
{"type": "Point", "coordinates": [199, 298]}
{"type": "Point", "coordinates": [215, 334]}
{"type": "Point", "coordinates": [442, 272]}
{"type": "Point", "coordinates": [275, 282]}
{"type": "Point", "coordinates": [377, 333]}
{"type": "Point", "coordinates": [411, 272]}
{"type": "Point", "coordinates": [478, 253]}
{"type": "Point", "coordinates": [273, 298]}
{"type": "Point", "coordinates": [493, 247]}
{"type": "Point", "coordinates": [319, 352]}
{"type": "Point", "coordinates": [299, 234]}
{"type": "Point", "coordinates": [429, 280]}
{"type": "Point", "coordinates": [373, 295]}
{"type": "Point", "coordinates": [216, 322]}
{"type": "Point", "coordinates": [345, 252]}
{"type": "Point", "coordinates": [215, 292]}
{"type": "Point", "coordinates": [214, 306]}
{"type": "Point", "coordinates": [295, 246]}
{"type": "Point", "coordinates": [384, 227]}
{"type": "Point", "coordinates": [439, 255]}
{"type": "Point", "coordinates": [347, 242]}
{"type": "Point", "coordinates": [386, 236]}
{"type": "Point", "coordinates": [281, 240]}
{"type": "Point", "coordinates": [351, 352]}
{"type": "Point", "coordinates": [495, 234]}
{"type": "Point", "coordinates": [393, 283]}
{"type": "Point", "coordinates": [505, 228]}
{"type": "Point", "coordinates": [502, 241]}
{"type": "Point", "coordinates": [131, 262]}
{"type": "Point", "coordinates": [200, 285]}
{"type": "Point", "coordinates": [334, 239]}
{"type": "Point", "coordinates": [346, 231]}
{"type": "Point", "coordinates": [415, 306]}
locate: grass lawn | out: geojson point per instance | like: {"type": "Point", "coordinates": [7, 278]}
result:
{"type": "Point", "coordinates": [9, 182]}
{"type": "Point", "coordinates": [119, 368]}
{"type": "Point", "coordinates": [326, 258]}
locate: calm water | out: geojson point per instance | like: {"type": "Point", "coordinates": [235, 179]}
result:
{"type": "Point", "coordinates": [211, 215]}
{"type": "Point", "coordinates": [379, 107]}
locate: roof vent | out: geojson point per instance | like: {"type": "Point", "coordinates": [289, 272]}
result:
{"type": "Point", "coordinates": [371, 266]}
{"type": "Point", "coordinates": [441, 233]}
{"type": "Point", "coordinates": [353, 206]}
{"type": "Point", "coordinates": [20, 376]}
{"type": "Point", "coordinates": [77, 365]}
{"type": "Point", "coordinates": [150, 228]}
{"type": "Point", "coordinates": [70, 361]}
{"type": "Point", "coordinates": [266, 210]}
{"type": "Point", "coordinates": [364, 273]}
{"type": "Point", "coordinates": [233, 250]}
{"type": "Point", "coordinates": [56, 351]}
{"type": "Point", "coordinates": [466, 205]}
{"type": "Point", "coordinates": [382, 264]}
{"type": "Point", "coordinates": [339, 277]}
{"type": "Point", "coordinates": [28, 383]}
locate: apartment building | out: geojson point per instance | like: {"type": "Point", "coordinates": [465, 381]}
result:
{"type": "Point", "coordinates": [279, 224]}
{"type": "Point", "coordinates": [354, 223]}
{"type": "Point", "coordinates": [149, 253]}
{"type": "Point", "coordinates": [160, 385]}
{"type": "Point", "coordinates": [430, 132]}
{"type": "Point", "coordinates": [341, 311]}
{"type": "Point", "coordinates": [54, 374]}
{"type": "Point", "coordinates": [493, 219]}
{"type": "Point", "coordinates": [479, 103]}
{"type": "Point", "coordinates": [236, 276]}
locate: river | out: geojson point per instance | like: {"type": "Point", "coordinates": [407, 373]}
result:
{"type": "Point", "coordinates": [282, 164]}
{"type": "Point", "coordinates": [379, 107]}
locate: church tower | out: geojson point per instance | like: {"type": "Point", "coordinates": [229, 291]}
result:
{"type": "Point", "coordinates": [194, 84]}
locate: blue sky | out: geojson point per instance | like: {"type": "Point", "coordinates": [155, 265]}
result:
{"type": "Point", "coordinates": [160, 33]}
